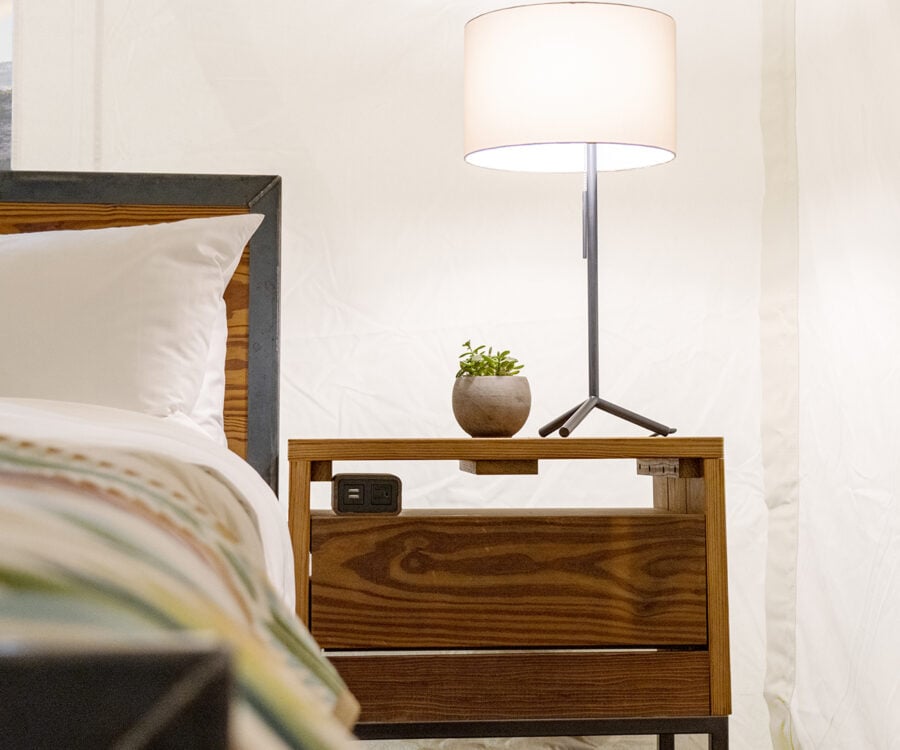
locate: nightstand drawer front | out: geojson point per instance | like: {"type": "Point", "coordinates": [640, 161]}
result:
{"type": "Point", "coordinates": [463, 581]}
{"type": "Point", "coordinates": [494, 686]}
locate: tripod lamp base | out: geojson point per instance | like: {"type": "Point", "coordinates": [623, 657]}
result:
{"type": "Point", "coordinates": [568, 421]}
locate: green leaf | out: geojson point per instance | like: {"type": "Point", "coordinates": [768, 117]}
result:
{"type": "Point", "coordinates": [477, 361]}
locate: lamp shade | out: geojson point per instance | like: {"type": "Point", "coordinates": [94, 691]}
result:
{"type": "Point", "coordinates": [543, 80]}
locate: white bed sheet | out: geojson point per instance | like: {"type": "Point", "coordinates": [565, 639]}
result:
{"type": "Point", "coordinates": [86, 424]}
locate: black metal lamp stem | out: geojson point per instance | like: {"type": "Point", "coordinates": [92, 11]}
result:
{"type": "Point", "coordinates": [568, 421]}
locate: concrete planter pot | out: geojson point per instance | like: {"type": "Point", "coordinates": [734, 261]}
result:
{"type": "Point", "coordinates": [491, 405]}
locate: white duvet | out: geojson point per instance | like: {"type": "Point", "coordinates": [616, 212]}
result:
{"type": "Point", "coordinates": [85, 424]}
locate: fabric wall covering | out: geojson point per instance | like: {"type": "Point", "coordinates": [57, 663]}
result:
{"type": "Point", "coordinates": [747, 289]}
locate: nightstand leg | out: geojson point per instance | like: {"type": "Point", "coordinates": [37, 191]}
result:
{"type": "Point", "coordinates": [665, 742]}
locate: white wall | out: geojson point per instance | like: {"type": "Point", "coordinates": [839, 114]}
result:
{"type": "Point", "coordinates": [395, 252]}
{"type": "Point", "coordinates": [848, 663]}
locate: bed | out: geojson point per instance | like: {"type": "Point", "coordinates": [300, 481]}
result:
{"type": "Point", "coordinates": [145, 567]}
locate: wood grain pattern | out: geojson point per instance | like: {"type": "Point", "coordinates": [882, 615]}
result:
{"type": "Point", "coordinates": [679, 495]}
{"type": "Point", "coordinates": [237, 303]}
{"type": "Point", "coordinates": [41, 217]}
{"type": "Point", "coordinates": [298, 526]}
{"type": "Point", "coordinates": [321, 471]}
{"type": "Point", "coordinates": [468, 580]}
{"type": "Point", "coordinates": [717, 588]}
{"type": "Point", "coordinates": [487, 467]}
{"type": "Point", "coordinates": [529, 685]}
{"type": "Point", "coordinates": [471, 449]}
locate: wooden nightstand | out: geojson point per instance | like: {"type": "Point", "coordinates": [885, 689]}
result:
{"type": "Point", "coordinates": [524, 623]}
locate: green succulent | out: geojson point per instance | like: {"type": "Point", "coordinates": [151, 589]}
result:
{"type": "Point", "coordinates": [477, 361]}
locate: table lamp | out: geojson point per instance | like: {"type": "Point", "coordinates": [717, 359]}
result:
{"type": "Point", "coordinates": [572, 87]}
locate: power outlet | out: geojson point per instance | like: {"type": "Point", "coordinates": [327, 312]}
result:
{"type": "Point", "coordinates": [365, 493]}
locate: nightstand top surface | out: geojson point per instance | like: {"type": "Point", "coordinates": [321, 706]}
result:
{"type": "Point", "coordinates": [435, 449]}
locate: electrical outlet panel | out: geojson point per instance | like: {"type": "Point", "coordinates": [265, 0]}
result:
{"type": "Point", "coordinates": [365, 493]}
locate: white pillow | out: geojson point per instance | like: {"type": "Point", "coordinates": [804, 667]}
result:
{"type": "Point", "coordinates": [207, 413]}
{"type": "Point", "coordinates": [121, 317]}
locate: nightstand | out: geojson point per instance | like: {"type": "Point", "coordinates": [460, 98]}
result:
{"type": "Point", "coordinates": [483, 623]}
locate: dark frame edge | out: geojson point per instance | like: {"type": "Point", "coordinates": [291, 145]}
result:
{"type": "Point", "coordinates": [264, 354]}
{"type": "Point", "coordinates": [714, 726]}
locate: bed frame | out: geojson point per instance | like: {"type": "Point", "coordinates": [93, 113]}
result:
{"type": "Point", "coordinates": [98, 693]}
{"type": "Point", "coordinates": [41, 201]}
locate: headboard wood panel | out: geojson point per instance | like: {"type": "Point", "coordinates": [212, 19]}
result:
{"type": "Point", "coordinates": [45, 201]}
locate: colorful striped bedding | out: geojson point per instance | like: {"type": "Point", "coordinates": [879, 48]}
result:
{"type": "Point", "coordinates": [109, 544]}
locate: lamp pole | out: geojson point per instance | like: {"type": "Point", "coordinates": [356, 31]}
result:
{"type": "Point", "coordinates": [590, 241]}
{"type": "Point", "coordinates": [568, 421]}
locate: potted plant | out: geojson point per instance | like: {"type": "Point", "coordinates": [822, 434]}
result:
{"type": "Point", "coordinates": [490, 398]}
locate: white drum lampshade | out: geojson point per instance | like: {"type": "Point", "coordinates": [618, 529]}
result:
{"type": "Point", "coordinates": [541, 81]}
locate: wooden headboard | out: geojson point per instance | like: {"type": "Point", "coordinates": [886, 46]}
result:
{"type": "Point", "coordinates": [41, 201]}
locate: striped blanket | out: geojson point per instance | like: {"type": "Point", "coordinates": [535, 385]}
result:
{"type": "Point", "coordinates": [99, 544]}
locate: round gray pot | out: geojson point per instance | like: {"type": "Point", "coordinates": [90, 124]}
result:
{"type": "Point", "coordinates": [491, 405]}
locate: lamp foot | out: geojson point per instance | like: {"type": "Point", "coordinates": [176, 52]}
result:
{"type": "Point", "coordinates": [569, 420]}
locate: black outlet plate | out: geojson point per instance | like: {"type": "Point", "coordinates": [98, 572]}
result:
{"type": "Point", "coordinates": [365, 493]}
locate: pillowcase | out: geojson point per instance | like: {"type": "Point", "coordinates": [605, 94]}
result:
{"type": "Point", "coordinates": [122, 317]}
{"type": "Point", "coordinates": [208, 411]}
